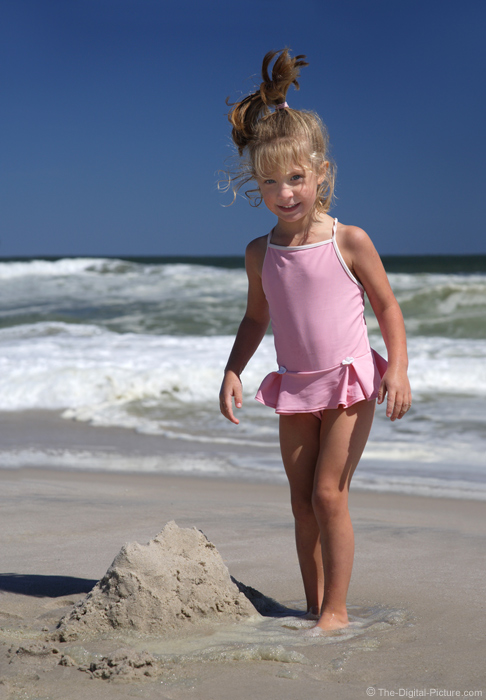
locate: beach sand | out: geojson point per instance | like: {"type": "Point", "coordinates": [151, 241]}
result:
{"type": "Point", "coordinates": [417, 592]}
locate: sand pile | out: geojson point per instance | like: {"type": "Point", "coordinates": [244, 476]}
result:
{"type": "Point", "coordinates": [178, 578]}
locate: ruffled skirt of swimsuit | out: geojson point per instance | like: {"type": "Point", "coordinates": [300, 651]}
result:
{"type": "Point", "coordinates": [354, 379]}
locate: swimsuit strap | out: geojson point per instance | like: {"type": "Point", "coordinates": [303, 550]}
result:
{"type": "Point", "coordinates": [334, 227]}
{"type": "Point", "coordinates": [340, 257]}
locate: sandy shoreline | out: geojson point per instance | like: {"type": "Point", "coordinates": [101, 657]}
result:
{"type": "Point", "coordinates": [418, 558]}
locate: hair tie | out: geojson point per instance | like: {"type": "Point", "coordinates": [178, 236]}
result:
{"type": "Point", "coordinates": [282, 105]}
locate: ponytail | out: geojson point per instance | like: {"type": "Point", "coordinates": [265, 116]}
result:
{"type": "Point", "coordinates": [245, 114]}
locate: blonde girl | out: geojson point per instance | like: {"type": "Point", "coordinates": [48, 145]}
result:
{"type": "Point", "coordinates": [309, 276]}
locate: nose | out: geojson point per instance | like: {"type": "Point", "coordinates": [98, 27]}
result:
{"type": "Point", "coordinates": [285, 190]}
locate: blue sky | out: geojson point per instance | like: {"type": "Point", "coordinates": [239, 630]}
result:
{"type": "Point", "coordinates": [113, 120]}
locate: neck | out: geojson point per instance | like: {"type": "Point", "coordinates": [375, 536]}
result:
{"type": "Point", "coordinates": [293, 229]}
{"type": "Point", "coordinates": [303, 231]}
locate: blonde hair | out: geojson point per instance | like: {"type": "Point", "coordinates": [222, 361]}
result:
{"type": "Point", "coordinates": [279, 139]}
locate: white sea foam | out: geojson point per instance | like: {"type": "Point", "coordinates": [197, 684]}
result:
{"type": "Point", "coordinates": [50, 268]}
{"type": "Point", "coordinates": [57, 365]}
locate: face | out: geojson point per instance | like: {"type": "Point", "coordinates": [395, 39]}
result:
{"type": "Point", "coordinates": [290, 195]}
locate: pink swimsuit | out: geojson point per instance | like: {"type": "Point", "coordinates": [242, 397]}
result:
{"type": "Point", "coordinates": [317, 312]}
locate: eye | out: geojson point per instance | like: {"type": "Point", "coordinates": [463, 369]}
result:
{"type": "Point", "coordinates": [268, 182]}
{"type": "Point", "coordinates": [296, 177]}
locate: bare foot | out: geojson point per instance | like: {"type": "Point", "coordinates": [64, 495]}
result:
{"type": "Point", "coordinates": [331, 621]}
{"type": "Point", "coordinates": [319, 631]}
{"type": "Point", "coordinates": [311, 614]}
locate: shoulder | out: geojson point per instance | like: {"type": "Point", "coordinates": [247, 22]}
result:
{"type": "Point", "coordinates": [359, 253]}
{"type": "Point", "coordinates": [255, 254]}
{"type": "Point", "coordinates": [355, 245]}
{"type": "Point", "coordinates": [352, 237]}
{"type": "Point", "coordinates": [256, 246]}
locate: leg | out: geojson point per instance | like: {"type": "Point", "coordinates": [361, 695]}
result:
{"type": "Point", "coordinates": [343, 436]}
{"type": "Point", "coordinates": [299, 444]}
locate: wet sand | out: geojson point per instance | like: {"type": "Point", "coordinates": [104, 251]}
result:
{"type": "Point", "coordinates": [419, 576]}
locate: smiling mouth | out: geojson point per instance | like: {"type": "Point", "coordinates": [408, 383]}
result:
{"type": "Point", "coordinates": [290, 207]}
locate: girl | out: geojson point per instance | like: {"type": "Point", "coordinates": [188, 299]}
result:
{"type": "Point", "coordinates": [309, 275]}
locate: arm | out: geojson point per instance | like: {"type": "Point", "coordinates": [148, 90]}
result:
{"type": "Point", "coordinates": [368, 268]}
{"type": "Point", "coordinates": [250, 332]}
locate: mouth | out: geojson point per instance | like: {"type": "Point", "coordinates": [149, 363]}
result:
{"type": "Point", "coordinates": [289, 208]}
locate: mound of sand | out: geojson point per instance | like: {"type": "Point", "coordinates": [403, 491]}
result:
{"type": "Point", "coordinates": [178, 578]}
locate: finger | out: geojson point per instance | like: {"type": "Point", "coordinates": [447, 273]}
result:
{"type": "Point", "coordinates": [227, 411]}
{"type": "Point", "coordinates": [233, 418]}
{"type": "Point", "coordinates": [402, 405]}
{"type": "Point", "coordinates": [226, 408]}
{"type": "Point", "coordinates": [391, 407]}
{"type": "Point", "coordinates": [405, 408]}
{"type": "Point", "coordinates": [238, 397]}
{"type": "Point", "coordinates": [381, 392]}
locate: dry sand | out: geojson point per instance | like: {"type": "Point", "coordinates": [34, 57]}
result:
{"type": "Point", "coordinates": [416, 597]}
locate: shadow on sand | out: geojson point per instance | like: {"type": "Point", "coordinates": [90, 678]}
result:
{"type": "Point", "coordinates": [44, 586]}
{"type": "Point", "coordinates": [268, 607]}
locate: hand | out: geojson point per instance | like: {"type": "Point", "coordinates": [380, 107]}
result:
{"type": "Point", "coordinates": [230, 388]}
{"type": "Point", "coordinates": [396, 386]}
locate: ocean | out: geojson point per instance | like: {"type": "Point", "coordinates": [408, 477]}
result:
{"type": "Point", "coordinates": [141, 344]}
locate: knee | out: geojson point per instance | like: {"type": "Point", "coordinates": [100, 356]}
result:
{"type": "Point", "coordinates": [329, 502]}
{"type": "Point", "coordinates": [302, 509]}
